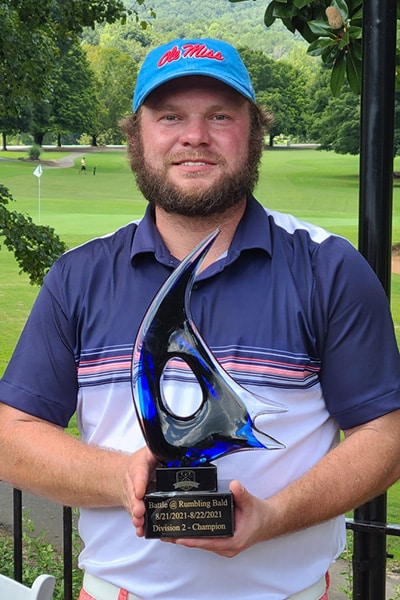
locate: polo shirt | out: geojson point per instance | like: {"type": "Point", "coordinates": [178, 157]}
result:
{"type": "Point", "coordinates": [292, 313]}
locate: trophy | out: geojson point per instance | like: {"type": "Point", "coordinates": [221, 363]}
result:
{"type": "Point", "coordinates": [187, 499]}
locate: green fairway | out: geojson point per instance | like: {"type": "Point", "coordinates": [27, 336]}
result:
{"type": "Point", "coordinates": [78, 206]}
{"type": "Point", "coordinates": [315, 186]}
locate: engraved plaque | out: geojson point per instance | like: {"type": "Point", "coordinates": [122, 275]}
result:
{"type": "Point", "coordinates": [191, 504]}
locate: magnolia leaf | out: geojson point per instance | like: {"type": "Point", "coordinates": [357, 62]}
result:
{"type": "Point", "coordinates": [284, 11]}
{"type": "Point", "coordinates": [354, 5]}
{"type": "Point", "coordinates": [344, 41]}
{"type": "Point", "coordinates": [317, 47]}
{"type": "Point", "coordinates": [354, 72]}
{"type": "Point", "coordinates": [338, 73]}
{"type": "Point", "coordinates": [342, 7]}
{"type": "Point", "coordinates": [321, 28]}
{"type": "Point", "coordinates": [357, 16]}
{"type": "Point", "coordinates": [355, 32]}
{"type": "Point", "coordinates": [304, 30]}
{"type": "Point", "coordinates": [288, 23]}
{"type": "Point", "coordinates": [278, 9]}
{"type": "Point", "coordinates": [269, 17]}
{"type": "Point", "coordinates": [356, 49]}
{"type": "Point", "coordinates": [301, 3]}
{"type": "Point", "coordinates": [330, 54]}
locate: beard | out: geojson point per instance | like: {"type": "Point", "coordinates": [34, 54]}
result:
{"type": "Point", "coordinates": [226, 192]}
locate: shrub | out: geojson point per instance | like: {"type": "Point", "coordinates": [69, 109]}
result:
{"type": "Point", "coordinates": [34, 152]}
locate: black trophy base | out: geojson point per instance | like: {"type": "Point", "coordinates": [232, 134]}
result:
{"type": "Point", "coordinates": [180, 512]}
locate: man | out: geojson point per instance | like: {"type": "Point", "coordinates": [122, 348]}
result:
{"type": "Point", "coordinates": [294, 313]}
{"type": "Point", "coordinates": [83, 165]}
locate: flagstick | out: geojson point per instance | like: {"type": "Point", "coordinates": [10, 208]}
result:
{"type": "Point", "coordinates": [38, 173]}
{"type": "Point", "coordinates": [38, 199]}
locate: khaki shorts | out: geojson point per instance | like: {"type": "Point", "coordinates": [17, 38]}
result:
{"type": "Point", "coordinates": [107, 591]}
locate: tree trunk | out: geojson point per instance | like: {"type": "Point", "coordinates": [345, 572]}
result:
{"type": "Point", "coordinates": [4, 141]}
{"type": "Point", "coordinates": [59, 140]}
{"type": "Point", "coordinates": [38, 138]}
{"type": "Point", "coordinates": [94, 140]}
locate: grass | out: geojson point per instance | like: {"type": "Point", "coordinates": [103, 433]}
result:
{"type": "Point", "coordinates": [77, 206]}
{"type": "Point", "coordinates": [316, 186]}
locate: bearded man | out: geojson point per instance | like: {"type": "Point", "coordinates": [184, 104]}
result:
{"type": "Point", "coordinates": [291, 312]}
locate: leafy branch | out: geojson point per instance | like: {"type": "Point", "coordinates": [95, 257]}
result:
{"type": "Point", "coordinates": [35, 247]}
{"type": "Point", "coordinates": [333, 29]}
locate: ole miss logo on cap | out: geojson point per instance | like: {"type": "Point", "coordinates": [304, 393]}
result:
{"type": "Point", "coordinates": [189, 51]}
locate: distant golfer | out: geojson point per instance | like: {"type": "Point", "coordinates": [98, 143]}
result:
{"type": "Point", "coordinates": [83, 166]}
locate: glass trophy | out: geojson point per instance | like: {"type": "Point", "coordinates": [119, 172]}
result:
{"type": "Point", "coordinates": [187, 499]}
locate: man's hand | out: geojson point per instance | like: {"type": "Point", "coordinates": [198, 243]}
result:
{"type": "Point", "coordinates": [138, 475]}
{"type": "Point", "coordinates": [250, 516]}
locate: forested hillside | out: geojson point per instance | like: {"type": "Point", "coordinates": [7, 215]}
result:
{"type": "Point", "coordinates": [238, 22]}
{"type": "Point", "coordinates": [241, 23]}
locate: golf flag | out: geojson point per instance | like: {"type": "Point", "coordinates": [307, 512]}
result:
{"type": "Point", "coordinates": [38, 171]}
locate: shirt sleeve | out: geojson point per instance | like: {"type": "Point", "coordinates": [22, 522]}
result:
{"type": "Point", "coordinates": [360, 374]}
{"type": "Point", "coordinates": [41, 377]}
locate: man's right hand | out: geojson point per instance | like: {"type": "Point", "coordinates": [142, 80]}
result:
{"type": "Point", "coordinates": [140, 472]}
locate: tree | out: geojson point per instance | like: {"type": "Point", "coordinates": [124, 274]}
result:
{"type": "Point", "coordinates": [281, 89]}
{"type": "Point", "coordinates": [29, 43]}
{"type": "Point", "coordinates": [72, 105]}
{"type": "Point", "coordinates": [40, 119]}
{"type": "Point", "coordinates": [117, 71]}
{"type": "Point", "coordinates": [334, 121]}
{"type": "Point", "coordinates": [125, 37]}
{"type": "Point", "coordinates": [12, 121]}
{"type": "Point", "coordinates": [26, 48]}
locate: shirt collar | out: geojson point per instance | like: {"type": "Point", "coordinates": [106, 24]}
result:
{"type": "Point", "coordinates": [253, 232]}
{"type": "Point", "coordinates": [147, 240]}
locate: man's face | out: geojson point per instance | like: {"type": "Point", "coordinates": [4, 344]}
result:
{"type": "Point", "coordinates": [192, 155]}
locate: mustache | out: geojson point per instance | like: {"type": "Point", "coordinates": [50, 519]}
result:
{"type": "Point", "coordinates": [193, 155]}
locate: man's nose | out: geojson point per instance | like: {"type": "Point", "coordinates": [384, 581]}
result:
{"type": "Point", "coordinates": [195, 132]}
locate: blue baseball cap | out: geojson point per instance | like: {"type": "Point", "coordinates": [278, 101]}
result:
{"type": "Point", "coordinates": [180, 58]}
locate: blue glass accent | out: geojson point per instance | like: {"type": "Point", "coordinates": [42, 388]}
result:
{"type": "Point", "coordinates": [222, 424]}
